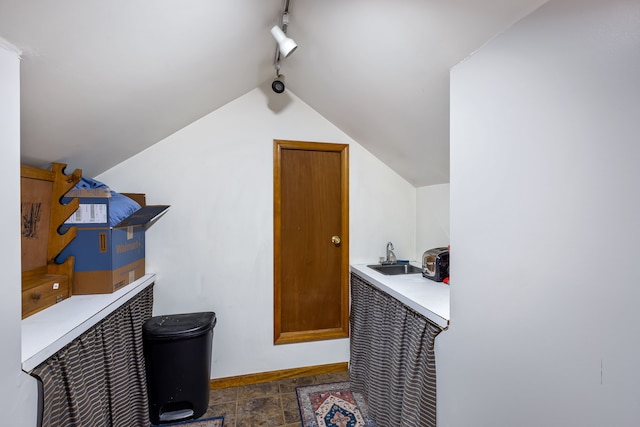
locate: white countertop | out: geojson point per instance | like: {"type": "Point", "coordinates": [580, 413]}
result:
{"type": "Point", "coordinates": [429, 298]}
{"type": "Point", "coordinates": [48, 331]}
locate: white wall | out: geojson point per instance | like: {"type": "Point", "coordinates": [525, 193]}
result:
{"type": "Point", "coordinates": [213, 250]}
{"type": "Point", "coordinates": [545, 227]}
{"type": "Point", "coordinates": [17, 390]}
{"type": "Point", "coordinates": [432, 218]}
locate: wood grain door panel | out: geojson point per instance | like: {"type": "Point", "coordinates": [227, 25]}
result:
{"type": "Point", "coordinates": [310, 270]}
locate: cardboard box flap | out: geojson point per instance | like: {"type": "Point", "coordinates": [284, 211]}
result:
{"type": "Point", "coordinates": [89, 192]}
{"type": "Point", "coordinates": [142, 216]}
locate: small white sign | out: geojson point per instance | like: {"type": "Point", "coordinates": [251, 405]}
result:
{"type": "Point", "coordinates": [56, 285]}
{"type": "Point", "coordinates": [89, 214]}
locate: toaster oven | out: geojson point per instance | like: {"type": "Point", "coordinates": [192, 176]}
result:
{"type": "Point", "coordinates": [435, 264]}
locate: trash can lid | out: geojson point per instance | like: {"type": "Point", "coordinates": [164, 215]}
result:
{"type": "Point", "coordinates": [178, 326]}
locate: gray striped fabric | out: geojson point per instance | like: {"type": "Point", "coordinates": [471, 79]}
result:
{"type": "Point", "coordinates": [392, 358]}
{"type": "Point", "coordinates": [98, 380]}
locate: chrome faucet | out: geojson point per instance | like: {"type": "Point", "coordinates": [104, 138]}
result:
{"type": "Point", "coordinates": [391, 257]}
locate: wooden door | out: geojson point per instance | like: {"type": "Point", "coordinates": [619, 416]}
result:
{"type": "Point", "coordinates": [311, 241]}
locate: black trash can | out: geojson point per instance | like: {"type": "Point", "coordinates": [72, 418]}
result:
{"type": "Point", "coordinates": [177, 353]}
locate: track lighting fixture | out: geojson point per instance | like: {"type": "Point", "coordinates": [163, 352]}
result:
{"type": "Point", "coordinates": [286, 45]}
{"type": "Point", "coordinates": [278, 84]}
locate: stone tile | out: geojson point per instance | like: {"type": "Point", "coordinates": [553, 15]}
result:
{"type": "Point", "coordinates": [260, 412]}
{"type": "Point", "coordinates": [257, 390]}
{"type": "Point", "coordinates": [290, 407]}
{"type": "Point", "coordinates": [223, 395]}
{"type": "Point", "coordinates": [226, 410]}
{"type": "Point", "coordinates": [333, 377]}
{"type": "Point", "coordinates": [272, 404]}
{"type": "Point", "coordinates": [289, 384]}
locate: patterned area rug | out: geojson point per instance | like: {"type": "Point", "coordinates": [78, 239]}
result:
{"type": "Point", "coordinates": [332, 405]}
{"type": "Point", "coordinates": [204, 422]}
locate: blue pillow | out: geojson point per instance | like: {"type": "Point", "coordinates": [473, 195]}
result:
{"type": "Point", "coordinates": [120, 207]}
{"type": "Point", "coordinates": [89, 183]}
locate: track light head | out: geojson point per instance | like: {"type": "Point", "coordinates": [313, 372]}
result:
{"type": "Point", "coordinates": [278, 84]}
{"type": "Point", "coordinates": [287, 45]}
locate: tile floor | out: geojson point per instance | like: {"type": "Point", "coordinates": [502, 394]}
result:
{"type": "Point", "coordinates": [272, 404]}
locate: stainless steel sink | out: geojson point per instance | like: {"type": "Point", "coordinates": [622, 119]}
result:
{"type": "Point", "coordinates": [395, 269]}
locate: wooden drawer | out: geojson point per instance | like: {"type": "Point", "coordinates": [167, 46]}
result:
{"type": "Point", "coordinates": [43, 291]}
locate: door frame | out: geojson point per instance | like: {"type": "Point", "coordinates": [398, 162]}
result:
{"type": "Point", "coordinates": [279, 336]}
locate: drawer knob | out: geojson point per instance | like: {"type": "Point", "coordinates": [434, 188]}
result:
{"type": "Point", "coordinates": [36, 296]}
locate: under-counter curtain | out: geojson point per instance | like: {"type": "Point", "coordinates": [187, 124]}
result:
{"type": "Point", "coordinates": [392, 358]}
{"type": "Point", "coordinates": [99, 378]}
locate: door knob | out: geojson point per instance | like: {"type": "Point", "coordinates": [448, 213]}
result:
{"type": "Point", "coordinates": [336, 240]}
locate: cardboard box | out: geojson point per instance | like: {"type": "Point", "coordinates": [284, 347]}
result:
{"type": "Point", "coordinates": [139, 198]}
{"type": "Point", "coordinates": [106, 258]}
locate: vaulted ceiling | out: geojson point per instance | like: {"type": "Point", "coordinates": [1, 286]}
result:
{"type": "Point", "coordinates": [103, 80]}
